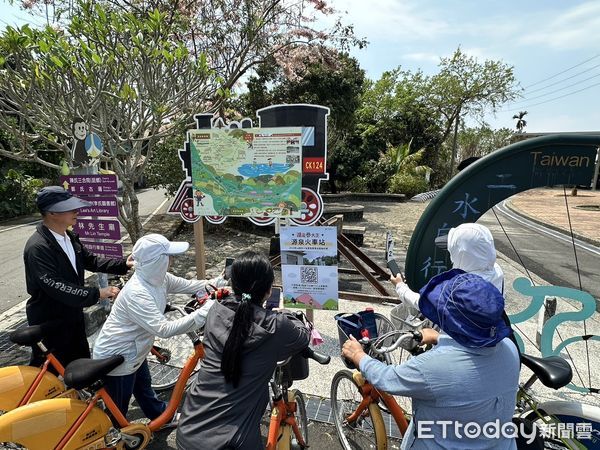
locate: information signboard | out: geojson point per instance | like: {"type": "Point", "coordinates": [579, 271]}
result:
{"type": "Point", "coordinates": [309, 269]}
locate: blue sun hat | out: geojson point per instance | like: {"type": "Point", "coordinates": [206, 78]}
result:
{"type": "Point", "coordinates": [466, 307]}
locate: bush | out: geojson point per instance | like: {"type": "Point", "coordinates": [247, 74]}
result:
{"type": "Point", "coordinates": [407, 184]}
{"type": "Point", "coordinates": [357, 184]}
{"type": "Point", "coordinates": [378, 174]}
{"type": "Point", "coordinates": [17, 194]}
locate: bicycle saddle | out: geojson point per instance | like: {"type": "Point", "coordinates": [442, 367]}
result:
{"type": "Point", "coordinates": [553, 371]}
{"type": "Point", "coordinates": [84, 371]}
{"type": "Point", "coordinates": [32, 334]}
{"type": "Point", "coordinates": [29, 335]}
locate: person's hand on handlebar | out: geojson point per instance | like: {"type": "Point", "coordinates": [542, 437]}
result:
{"type": "Point", "coordinates": [353, 351]}
{"type": "Point", "coordinates": [430, 336]}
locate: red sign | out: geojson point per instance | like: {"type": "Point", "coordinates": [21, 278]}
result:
{"type": "Point", "coordinates": [313, 165]}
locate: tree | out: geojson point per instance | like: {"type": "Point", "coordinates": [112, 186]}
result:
{"type": "Point", "coordinates": [521, 123]}
{"type": "Point", "coordinates": [482, 140]}
{"type": "Point", "coordinates": [137, 72]}
{"type": "Point", "coordinates": [127, 76]}
{"type": "Point", "coordinates": [332, 79]}
{"type": "Point", "coordinates": [464, 87]}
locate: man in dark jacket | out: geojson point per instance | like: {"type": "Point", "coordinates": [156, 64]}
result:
{"type": "Point", "coordinates": [55, 265]}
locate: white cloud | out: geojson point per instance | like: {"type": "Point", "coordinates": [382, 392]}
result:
{"type": "Point", "coordinates": [392, 20]}
{"type": "Point", "coordinates": [422, 57]}
{"type": "Point", "coordinates": [576, 28]}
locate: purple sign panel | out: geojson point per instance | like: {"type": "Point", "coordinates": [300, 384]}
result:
{"type": "Point", "coordinates": [98, 229]}
{"type": "Point", "coordinates": [101, 207]}
{"type": "Point", "coordinates": [109, 250]}
{"type": "Point", "coordinates": [90, 184]}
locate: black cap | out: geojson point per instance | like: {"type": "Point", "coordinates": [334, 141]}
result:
{"type": "Point", "coordinates": [442, 241]}
{"type": "Point", "coordinates": [56, 199]}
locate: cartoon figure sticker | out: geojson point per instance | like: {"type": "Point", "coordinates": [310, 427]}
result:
{"type": "Point", "coordinates": [78, 151]}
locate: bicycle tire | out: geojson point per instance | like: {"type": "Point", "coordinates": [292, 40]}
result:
{"type": "Point", "coordinates": [568, 413]}
{"type": "Point", "coordinates": [165, 375]}
{"type": "Point", "coordinates": [369, 432]}
{"type": "Point", "coordinates": [301, 420]}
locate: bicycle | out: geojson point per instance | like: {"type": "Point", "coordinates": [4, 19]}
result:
{"type": "Point", "coordinates": [169, 355]}
{"type": "Point", "coordinates": [21, 385]}
{"type": "Point", "coordinates": [554, 372]}
{"type": "Point", "coordinates": [550, 417]}
{"type": "Point", "coordinates": [288, 424]}
{"type": "Point", "coordinates": [356, 404]}
{"type": "Point", "coordinates": [86, 423]}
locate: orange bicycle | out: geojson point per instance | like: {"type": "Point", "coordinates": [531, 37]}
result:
{"type": "Point", "coordinates": [357, 404]}
{"type": "Point", "coordinates": [288, 426]}
{"type": "Point", "coordinates": [70, 423]}
{"type": "Point", "coordinates": [21, 385]}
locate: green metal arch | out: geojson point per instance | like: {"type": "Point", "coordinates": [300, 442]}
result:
{"type": "Point", "coordinates": [545, 161]}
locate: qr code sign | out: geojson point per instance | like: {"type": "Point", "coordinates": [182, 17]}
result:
{"type": "Point", "coordinates": [309, 275]}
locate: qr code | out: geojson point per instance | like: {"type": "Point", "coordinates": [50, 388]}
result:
{"type": "Point", "coordinates": [309, 275]}
{"type": "Point", "coordinates": [292, 159]}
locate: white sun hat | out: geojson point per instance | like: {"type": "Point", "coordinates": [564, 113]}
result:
{"type": "Point", "coordinates": [150, 247]}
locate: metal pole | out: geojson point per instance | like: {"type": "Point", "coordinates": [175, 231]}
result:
{"type": "Point", "coordinates": [596, 170]}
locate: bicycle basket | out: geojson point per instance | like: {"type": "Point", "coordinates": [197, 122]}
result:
{"type": "Point", "coordinates": [352, 324]}
{"type": "Point", "coordinates": [407, 318]}
{"type": "Point", "coordinates": [296, 369]}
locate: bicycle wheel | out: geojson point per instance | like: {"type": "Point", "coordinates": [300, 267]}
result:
{"type": "Point", "coordinates": [368, 431]}
{"type": "Point", "coordinates": [579, 423]}
{"type": "Point", "coordinates": [179, 348]}
{"type": "Point", "coordinates": [301, 420]}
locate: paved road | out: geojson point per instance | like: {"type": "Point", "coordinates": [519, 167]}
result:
{"type": "Point", "coordinates": [547, 253]}
{"type": "Point", "coordinates": [13, 237]}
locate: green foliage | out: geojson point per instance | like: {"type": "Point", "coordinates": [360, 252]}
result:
{"type": "Point", "coordinates": [18, 193]}
{"type": "Point", "coordinates": [410, 185]}
{"type": "Point", "coordinates": [481, 141]}
{"type": "Point", "coordinates": [164, 169]}
{"type": "Point", "coordinates": [336, 83]}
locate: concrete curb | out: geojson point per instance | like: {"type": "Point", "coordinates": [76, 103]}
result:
{"type": "Point", "coordinates": [581, 237]}
{"type": "Point", "coordinates": [373, 196]}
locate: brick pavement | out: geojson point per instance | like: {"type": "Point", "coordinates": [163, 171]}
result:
{"type": "Point", "coordinates": [548, 206]}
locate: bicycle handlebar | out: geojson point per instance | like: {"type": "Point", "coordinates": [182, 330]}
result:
{"type": "Point", "coordinates": [318, 357]}
{"type": "Point", "coordinates": [407, 336]}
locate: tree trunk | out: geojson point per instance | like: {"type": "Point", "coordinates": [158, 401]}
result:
{"type": "Point", "coordinates": [131, 218]}
{"type": "Point", "coordinates": [454, 144]}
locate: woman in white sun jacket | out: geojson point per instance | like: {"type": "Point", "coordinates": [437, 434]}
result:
{"type": "Point", "coordinates": [137, 317]}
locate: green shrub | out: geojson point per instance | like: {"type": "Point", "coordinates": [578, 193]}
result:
{"type": "Point", "coordinates": [17, 194]}
{"type": "Point", "coordinates": [357, 184]}
{"type": "Point", "coordinates": [407, 184]}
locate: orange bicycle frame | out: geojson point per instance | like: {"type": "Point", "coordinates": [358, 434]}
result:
{"type": "Point", "coordinates": [50, 359]}
{"type": "Point", "coordinates": [372, 395]}
{"type": "Point", "coordinates": [283, 414]}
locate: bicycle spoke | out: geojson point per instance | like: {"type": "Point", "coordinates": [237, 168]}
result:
{"type": "Point", "coordinates": [587, 351]}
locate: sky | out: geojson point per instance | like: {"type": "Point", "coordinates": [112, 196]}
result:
{"type": "Point", "coordinates": [554, 47]}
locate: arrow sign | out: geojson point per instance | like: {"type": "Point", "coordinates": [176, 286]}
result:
{"type": "Point", "coordinates": [90, 184]}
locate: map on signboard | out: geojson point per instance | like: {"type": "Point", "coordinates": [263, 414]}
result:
{"type": "Point", "coordinates": [252, 172]}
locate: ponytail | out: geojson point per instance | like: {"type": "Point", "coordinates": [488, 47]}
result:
{"type": "Point", "coordinates": [251, 279]}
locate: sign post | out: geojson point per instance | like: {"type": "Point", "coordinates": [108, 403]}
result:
{"type": "Point", "coordinates": [200, 258]}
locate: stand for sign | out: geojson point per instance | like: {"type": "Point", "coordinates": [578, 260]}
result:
{"type": "Point", "coordinates": [199, 247]}
{"type": "Point", "coordinates": [362, 264]}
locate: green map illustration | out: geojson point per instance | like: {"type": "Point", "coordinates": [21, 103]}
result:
{"type": "Point", "coordinates": [252, 172]}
